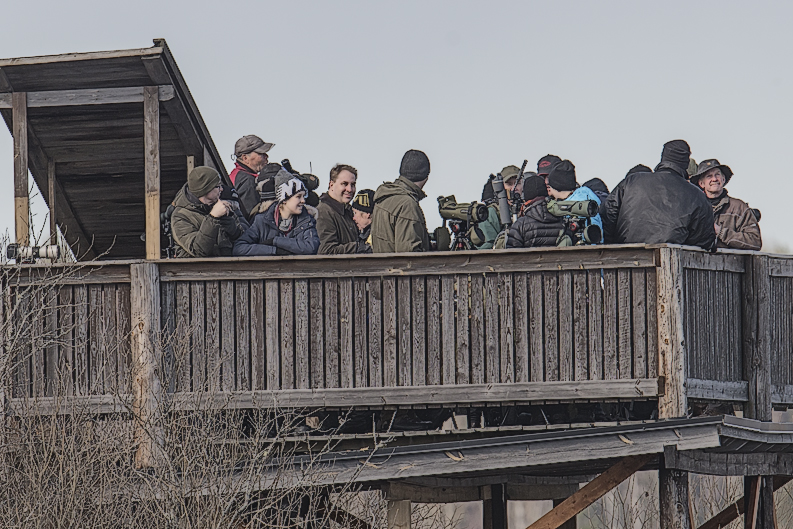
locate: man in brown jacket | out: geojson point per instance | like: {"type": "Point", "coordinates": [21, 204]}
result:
{"type": "Point", "coordinates": [736, 225]}
{"type": "Point", "coordinates": [338, 233]}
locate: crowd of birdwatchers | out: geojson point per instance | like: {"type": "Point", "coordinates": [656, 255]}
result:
{"type": "Point", "coordinates": [272, 209]}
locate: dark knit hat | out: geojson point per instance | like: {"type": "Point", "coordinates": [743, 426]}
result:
{"type": "Point", "coordinates": [676, 152]}
{"type": "Point", "coordinates": [597, 185]}
{"type": "Point", "coordinates": [364, 201]}
{"type": "Point", "coordinates": [533, 187]}
{"type": "Point", "coordinates": [202, 180]}
{"type": "Point", "coordinates": [229, 193]}
{"type": "Point", "coordinates": [509, 172]}
{"type": "Point", "coordinates": [707, 165]}
{"type": "Point", "coordinates": [546, 163]}
{"type": "Point", "coordinates": [562, 176]}
{"type": "Point", "coordinates": [415, 166]}
{"type": "Point", "coordinates": [287, 185]}
{"type": "Point", "coordinates": [641, 168]}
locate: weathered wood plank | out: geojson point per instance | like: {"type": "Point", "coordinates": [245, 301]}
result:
{"type": "Point", "coordinates": [168, 317]}
{"type": "Point", "coordinates": [433, 289]}
{"type": "Point", "coordinates": [182, 347]}
{"type": "Point", "coordinates": [581, 301]}
{"type": "Point", "coordinates": [492, 342]}
{"type": "Point", "coordinates": [721, 262]}
{"type": "Point", "coordinates": [404, 352]}
{"type": "Point", "coordinates": [123, 330]}
{"type": "Point", "coordinates": [316, 292]}
{"type": "Point", "coordinates": [671, 340]}
{"type": "Point", "coordinates": [652, 324]}
{"type": "Point", "coordinates": [639, 312]}
{"type": "Point", "coordinates": [243, 335]}
{"type": "Point", "coordinates": [272, 336]}
{"type": "Point", "coordinates": [361, 354]}
{"type": "Point", "coordinates": [507, 323]}
{"type": "Point", "coordinates": [462, 346]}
{"type": "Point", "coordinates": [375, 299]}
{"type": "Point", "coordinates": [717, 390]}
{"type": "Point", "coordinates": [96, 355]}
{"type": "Point", "coordinates": [287, 329]}
{"type": "Point", "coordinates": [346, 361]}
{"type": "Point", "coordinates": [51, 341]}
{"type": "Point", "coordinates": [389, 332]}
{"type": "Point", "coordinates": [536, 327]}
{"type": "Point", "coordinates": [566, 330]}
{"type": "Point", "coordinates": [551, 317]}
{"type": "Point", "coordinates": [21, 200]}
{"type": "Point", "coordinates": [477, 304]}
{"type": "Point", "coordinates": [151, 147]}
{"type": "Point", "coordinates": [81, 312]}
{"type": "Point", "coordinates": [108, 338]}
{"type": "Point", "coordinates": [757, 341]}
{"type": "Point", "coordinates": [218, 339]}
{"type": "Point", "coordinates": [302, 361]}
{"type": "Point", "coordinates": [420, 316]}
{"type": "Point", "coordinates": [66, 335]}
{"type": "Point", "coordinates": [92, 96]}
{"type": "Point", "coordinates": [198, 341]}
{"type": "Point", "coordinates": [448, 333]}
{"type": "Point", "coordinates": [610, 325]}
{"type": "Point", "coordinates": [258, 364]}
{"type": "Point", "coordinates": [625, 342]}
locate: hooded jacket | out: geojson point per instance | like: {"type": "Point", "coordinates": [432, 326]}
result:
{"type": "Point", "coordinates": [199, 234]}
{"type": "Point", "coordinates": [337, 231]}
{"type": "Point", "coordinates": [739, 228]}
{"type": "Point", "coordinates": [398, 223]}
{"type": "Point", "coordinates": [265, 238]}
{"type": "Point", "coordinates": [537, 227]}
{"type": "Point", "coordinates": [660, 207]}
{"type": "Point", "coordinates": [243, 178]}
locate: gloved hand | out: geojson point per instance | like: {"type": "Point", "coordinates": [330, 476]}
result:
{"type": "Point", "coordinates": [281, 251]}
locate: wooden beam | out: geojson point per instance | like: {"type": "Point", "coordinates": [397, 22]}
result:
{"type": "Point", "coordinates": [190, 164]}
{"type": "Point", "coordinates": [673, 499]}
{"type": "Point", "coordinates": [72, 57]}
{"type": "Point", "coordinates": [757, 337]}
{"type": "Point", "coordinates": [151, 142]}
{"type": "Point", "coordinates": [751, 499]}
{"type": "Point", "coordinates": [729, 463]}
{"type": "Point", "coordinates": [717, 390]}
{"type": "Point", "coordinates": [146, 356]}
{"type": "Point", "coordinates": [592, 491]}
{"type": "Point", "coordinates": [21, 199]}
{"type": "Point", "coordinates": [398, 515]}
{"type": "Point", "coordinates": [53, 203]}
{"type": "Point", "coordinates": [494, 507]}
{"type": "Point", "coordinates": [734, 510]}
{"type": "Point", "coordinates": [93, 96]}
{"type": "Point", "coordinates": [671, 337]}
{"type": "Point", "coordinates": [396, 490]}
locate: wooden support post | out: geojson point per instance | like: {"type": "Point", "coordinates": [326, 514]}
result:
{"type": "Point", "coordinates": [51, 194]}
{"type": "Point", "coordinates": [190, 164]}
{"type": "Point", "coordinates": [593, 491]}
{"type": "Point", "coordinates": [21, 199]}
{"type": "Point", "coordinates": [151, 143]}
{"type": "Point", "coordinates": [673, 494]}
{"type": "Point", "coordinates": [146, 356]}
{"type": "Point", "coordinates": [767, 513]}
{"type": "Point", "coordinates": [751, 499]}
{"type": "Point", "coordinates": [494, 507]}
{"type": "Point", "coordinates": [672, 363]}
{"type": "Point", "coordinates": [398, 514]}
{"type": "Point", "coordinates": [757, 337]}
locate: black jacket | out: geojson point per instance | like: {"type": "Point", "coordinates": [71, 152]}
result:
{"type": "Point", "coordinates": [243, 178]}
{"type": "Point", "coordinates": [659, 207]}
{"type": "Point", "coordinates": [537, 227]}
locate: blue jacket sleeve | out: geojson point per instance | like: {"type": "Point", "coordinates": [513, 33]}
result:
{"type": "Point", "coordinates": [304, 242]}
{"type": "Point", "coordinates": [248, 244]}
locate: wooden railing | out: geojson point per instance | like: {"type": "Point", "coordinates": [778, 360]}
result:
{"type": "Point", "coordinates": [411, 329]}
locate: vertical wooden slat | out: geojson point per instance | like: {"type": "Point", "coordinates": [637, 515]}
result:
{"type": "Point", "coordinates": [566, 329]}
{"type": "Point", "coordinates": [595, 316]}
{"type": "Point", "coordinates": [36, 364]}
{"type": "Point", "coordinates": [462, 348]}
{"type": "Point", "coordinates": [19, 111]}
{"type": "Point", "coordinates": [23, 336]}
{"type": "Point", "coordinates": [258, 330]}
{"type": "Point", "coordinates": [228, 329]}
{"type": "Point", "coordinates": [331, 333]}
{"type": "Point", "coordinates": [243, 349]}
{"type": "Point", "coordinates": [551, 313]}
{"type": "Point", "coordinates": [168, 317]}
{"type": "Point", "coordinates": [96, 356]}
{"type": "Point", "coordinates": [375, 332]}
{"type": "Point", "coordinates": [492, 361]}
{"type": "Point", "coordinates": [434, 351]}
{"type": "Point", "coordinates": [360, 310]}
{"type": "Point", "coordinates": [505, 309]}
{"type": "Point", "coordinates": [536, 342]}
{"type": "Point", "coordinates": [51, 200]}
{"type": "Point", "coordinates": [477, 305]}
{"type": "Point", "coordinates": [448, 335]}
{"type": "Point", "coordinates": [404, 352]}
{"type": "Point", "coordinates": [287, 328]}
{"type": "Point", "coordinates": [521, 327]}
{"type": "Point", "coordinates": [81, 339]}
{"type": "Point", "coordinates": [151, 144]}
{"type": "Point", "coordinates": [51, 340]}
{"type": "Point", "coordinates": [625, 345]}
{"type": "Point", "coordinates": [273, 334]}
{"type": "Point", "coordinates": [581, 301]}
{"type": "Point", "coordinates": [216, 337]}
{"type": "Point", "coordinates": [639, 309]}
{"type": "Point", "coordinates": [66, 337]}
{"type": "Point", "coordinates": [182, 347]}
{"type": "Point", "coordinates": [418, 299]}
{"type": "Point", "coordinates": [110, 344]}
{"type": "Point", "coordinates": [610, 329]}
{"type": "Point", "coordinates": [302, 362]}
{"type": "Point", "coordinates": [389, 332]}
{"type": "Point", "coordinates": [316, 293]}
{"type": "Point", "coordinates": [652, 324]}
{"type": "Point", "coordinates": [198, 343]}
{"type": "Point", "coordinates": [757, 341]}
{"type": "Point", "coordinates": [346, 361]}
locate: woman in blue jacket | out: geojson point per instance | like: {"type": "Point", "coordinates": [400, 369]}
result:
{"type": "Point", "coordinates": [286, 227]}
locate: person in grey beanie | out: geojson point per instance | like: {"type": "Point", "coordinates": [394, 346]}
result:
{"type": "Point", "coordinates": [398, 223]}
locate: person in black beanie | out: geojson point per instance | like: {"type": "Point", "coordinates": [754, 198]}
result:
{"type": "Point", "coordinates": [660, 207]}
{"type": "Point", "coordinates": [398, 223]}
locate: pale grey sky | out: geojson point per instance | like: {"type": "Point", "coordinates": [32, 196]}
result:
{"type": "Point", "coordinates": [475, 85]}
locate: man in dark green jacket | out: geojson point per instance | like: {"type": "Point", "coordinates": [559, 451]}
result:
{"type": "Point", "coordinates": [337, 231]}
{"type": "Point", "coordinates": [203, 225]}
{"type": "Point", "coordinates": [398, 223]}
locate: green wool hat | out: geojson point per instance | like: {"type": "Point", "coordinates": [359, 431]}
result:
{"type": "Point", "coordinates": [202, 180]}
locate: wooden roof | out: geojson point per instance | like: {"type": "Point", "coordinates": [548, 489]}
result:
{"type": "Point", "coordinates": [85, 113]}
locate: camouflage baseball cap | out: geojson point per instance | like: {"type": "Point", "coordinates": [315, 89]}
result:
{"type": "Point", "coordinates": [250, 143]}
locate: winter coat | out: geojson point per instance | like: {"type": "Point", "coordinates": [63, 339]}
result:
{"type": "Point", "coordinates": [398, 223]}
{"type": "Point", "coordinates": [197, 233]}
{"type": "Point", "coordinates": [490, 227]}
{"type": "Point", "coordinates": [585, 193]}
{"type": "Point", "coordinates": [337, 231]}
{"type": "Point", "coordinates": [265, 238]}
{"type": "Point", "coordinates": [243, 178]}
{"type": "Point", "coordinates": [659, 207]}
{"type": "Point", "coordinates": [537, 227]}
{"type": "Point", "coordinates": [738, 226]}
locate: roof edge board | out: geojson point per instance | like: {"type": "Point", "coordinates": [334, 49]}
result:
{"type": "Point", "coordinates": [82, 56]}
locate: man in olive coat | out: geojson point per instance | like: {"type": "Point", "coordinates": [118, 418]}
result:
{"type": "Point", "coordinates": [398, 223]}
{"type": "Point", "coordinates": [203, 225]}
{"type": "Point", "coordinates": [338, 233]}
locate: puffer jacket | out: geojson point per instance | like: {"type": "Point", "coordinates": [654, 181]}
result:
{"type": "Point", "coordinates": [398, 223]}
{"type": "Point", "coordinates": [656, 208]}
{"type": "Point", "coordinates": [337, 231]}
{"type": "Point", "coordinates": [739, 228]}
{"type": "Point", "coordinates": [265, 238]}
{"type": "Point", "coordinates": [537, 227]}
{"type": "Point", "coordinates": [199, 234]}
